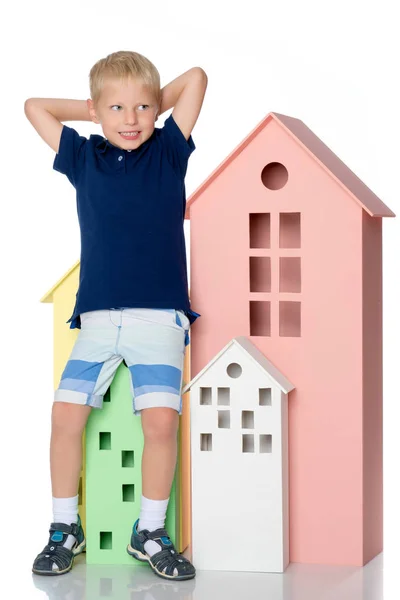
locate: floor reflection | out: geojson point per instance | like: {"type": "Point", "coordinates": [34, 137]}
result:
{"type": "Point", "coordinates": [299, 582]}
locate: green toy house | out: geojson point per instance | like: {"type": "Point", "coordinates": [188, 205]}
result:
{"type": "Point", "coordinates": [114, 446]}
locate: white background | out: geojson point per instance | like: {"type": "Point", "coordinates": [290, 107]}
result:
{"type": "Point", "coordinates": [332, 65]}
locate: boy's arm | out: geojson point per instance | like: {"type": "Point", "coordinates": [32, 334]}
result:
{"type": "Point", "coordinates": [186, 94]}
{"type": "Point", "coordinates": [46, 114]}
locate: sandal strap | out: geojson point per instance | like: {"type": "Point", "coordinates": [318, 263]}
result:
{"type": "Point", "coordinates": [60, 555]}
{"type": "Point", "coordinates": [72, 529]}
{"type": "Point", "coordinates": [157, 533]}
{"type": "Point", "coordinates": [167, 559]}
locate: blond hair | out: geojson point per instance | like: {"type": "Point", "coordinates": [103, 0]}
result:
{"type": "Point", "coordinates": [123, 65]}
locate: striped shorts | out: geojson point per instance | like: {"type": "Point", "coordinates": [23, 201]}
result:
{"type": "Point", "coordinates": [152, 344]}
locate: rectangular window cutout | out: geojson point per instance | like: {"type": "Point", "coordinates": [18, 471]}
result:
{"type": "Point", "coordinates": [128, 492]}
{"type": "Point", "coordinates": [289, 319]}
{"type": "Point", "coordinates": [205, 395]}
{"type": "Point", "coordinates": [127, 458]}
{"type": "Point", "coordinates": [260, 317]}
{"type": "Point", "coordinates": [105, 540]}
{"type": "Point", "coordinates": [290, 274]}
{"type": "Point", "coordinates": [260, 273]}
{"type": "Point", "coordinates": [206, 442]}
{"type": "Point", "coordinates": [289, 230]}
{"type": "Point", "coordinates": [247, 442]}
{"type": "Point", "coordinates": [260, 230]}
{"type": "Point", "coordinates": [223, 396]}
{"type": "Point", "coordinates": [105, 440]}
{"type": "Point", "coordinates": [224, 419]}
{"type": "Point", "coordinates": [265, 442]}
{"type": "Point", "coordinates": [247, 419]}
{"type": "Point", "coordinates": [264, 396]}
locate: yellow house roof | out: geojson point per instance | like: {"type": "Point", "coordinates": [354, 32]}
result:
{"type": "Point", "coordinates": [48, 297]}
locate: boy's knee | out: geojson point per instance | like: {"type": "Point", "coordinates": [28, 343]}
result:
{"type": "Point", "coordinates": [159, 423]}
{"type": "Point", "coordinates": [68, 417]}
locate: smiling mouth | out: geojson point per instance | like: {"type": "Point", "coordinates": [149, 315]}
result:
{"type": "Point", "coordinates": [129, 134]}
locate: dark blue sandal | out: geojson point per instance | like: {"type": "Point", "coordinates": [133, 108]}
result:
{"type": "Point", "coordinates": [166, 563]}
{"type": "Point", "coordinates": [55, 553]}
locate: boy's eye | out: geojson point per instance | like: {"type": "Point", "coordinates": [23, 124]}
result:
{"type": "Point", "coordinates": [119, 106]}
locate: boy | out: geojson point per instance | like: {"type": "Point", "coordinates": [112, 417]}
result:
{"type": "Point", "coordinates": [132, 304]}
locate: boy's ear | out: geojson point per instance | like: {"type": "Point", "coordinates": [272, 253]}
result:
{"type": "Point", "coordinates": [92, 111]}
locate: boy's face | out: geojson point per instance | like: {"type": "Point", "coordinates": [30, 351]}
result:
{"type": "Point", "coordinates": [125, 105]}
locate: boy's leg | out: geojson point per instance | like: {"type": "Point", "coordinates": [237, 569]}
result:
{"type": "Point", "coordinates": [160, 429]}
{"type": "Point", "coordinates": [160, 432]}
{"type": "Point", "coordinates": [68, 422]}
{"type": "Point", "coordinates": [66, 534]}
{"type": "Point", "coordinates": [84, 381]}
{"type": "Point", "coordinates": [154, 351]}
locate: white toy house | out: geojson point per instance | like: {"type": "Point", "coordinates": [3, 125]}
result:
{"type": "Point", "coordinates": [239, 458]}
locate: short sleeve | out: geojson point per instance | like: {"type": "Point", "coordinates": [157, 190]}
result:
{"type": "Point", "coordinates": [176, 146]}
{"type": "Point", "coordinates": [70, 158]}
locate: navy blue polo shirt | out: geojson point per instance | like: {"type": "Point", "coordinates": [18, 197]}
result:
{"type": "Point", "coordinates": [131, 209]}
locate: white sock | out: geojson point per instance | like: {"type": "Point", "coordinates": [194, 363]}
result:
{"type": "Point", "coordinates": [152, 516]}
{"type": "Point", "coordinates": [65, 510]}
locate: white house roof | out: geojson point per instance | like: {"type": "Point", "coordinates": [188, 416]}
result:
{"type": "Point", "coordinates": [252, 352]}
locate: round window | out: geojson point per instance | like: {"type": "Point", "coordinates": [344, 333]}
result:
{"type": "Point", "coordinates": [234, 370]}
{"type": "Point", "coordinates": [274, 176]}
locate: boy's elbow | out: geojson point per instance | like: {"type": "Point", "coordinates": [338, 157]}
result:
{"type": "Point", "coordinates": [28, 103]}
{"type": "Point", "coordinates": [200, 71]}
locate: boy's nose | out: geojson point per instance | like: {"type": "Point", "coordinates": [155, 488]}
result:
{"type": "Point", "coordinates": [131, 118]}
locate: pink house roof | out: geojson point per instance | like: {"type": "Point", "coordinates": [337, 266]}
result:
{"type": "Point", "coordinates": [316, 148]}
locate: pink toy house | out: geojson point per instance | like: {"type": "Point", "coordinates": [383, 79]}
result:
{"type": "Point", "coordinates": [286, 249]}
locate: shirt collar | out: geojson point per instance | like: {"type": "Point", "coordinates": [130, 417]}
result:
{"type": "Point", "coordinates": [103, 144]}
